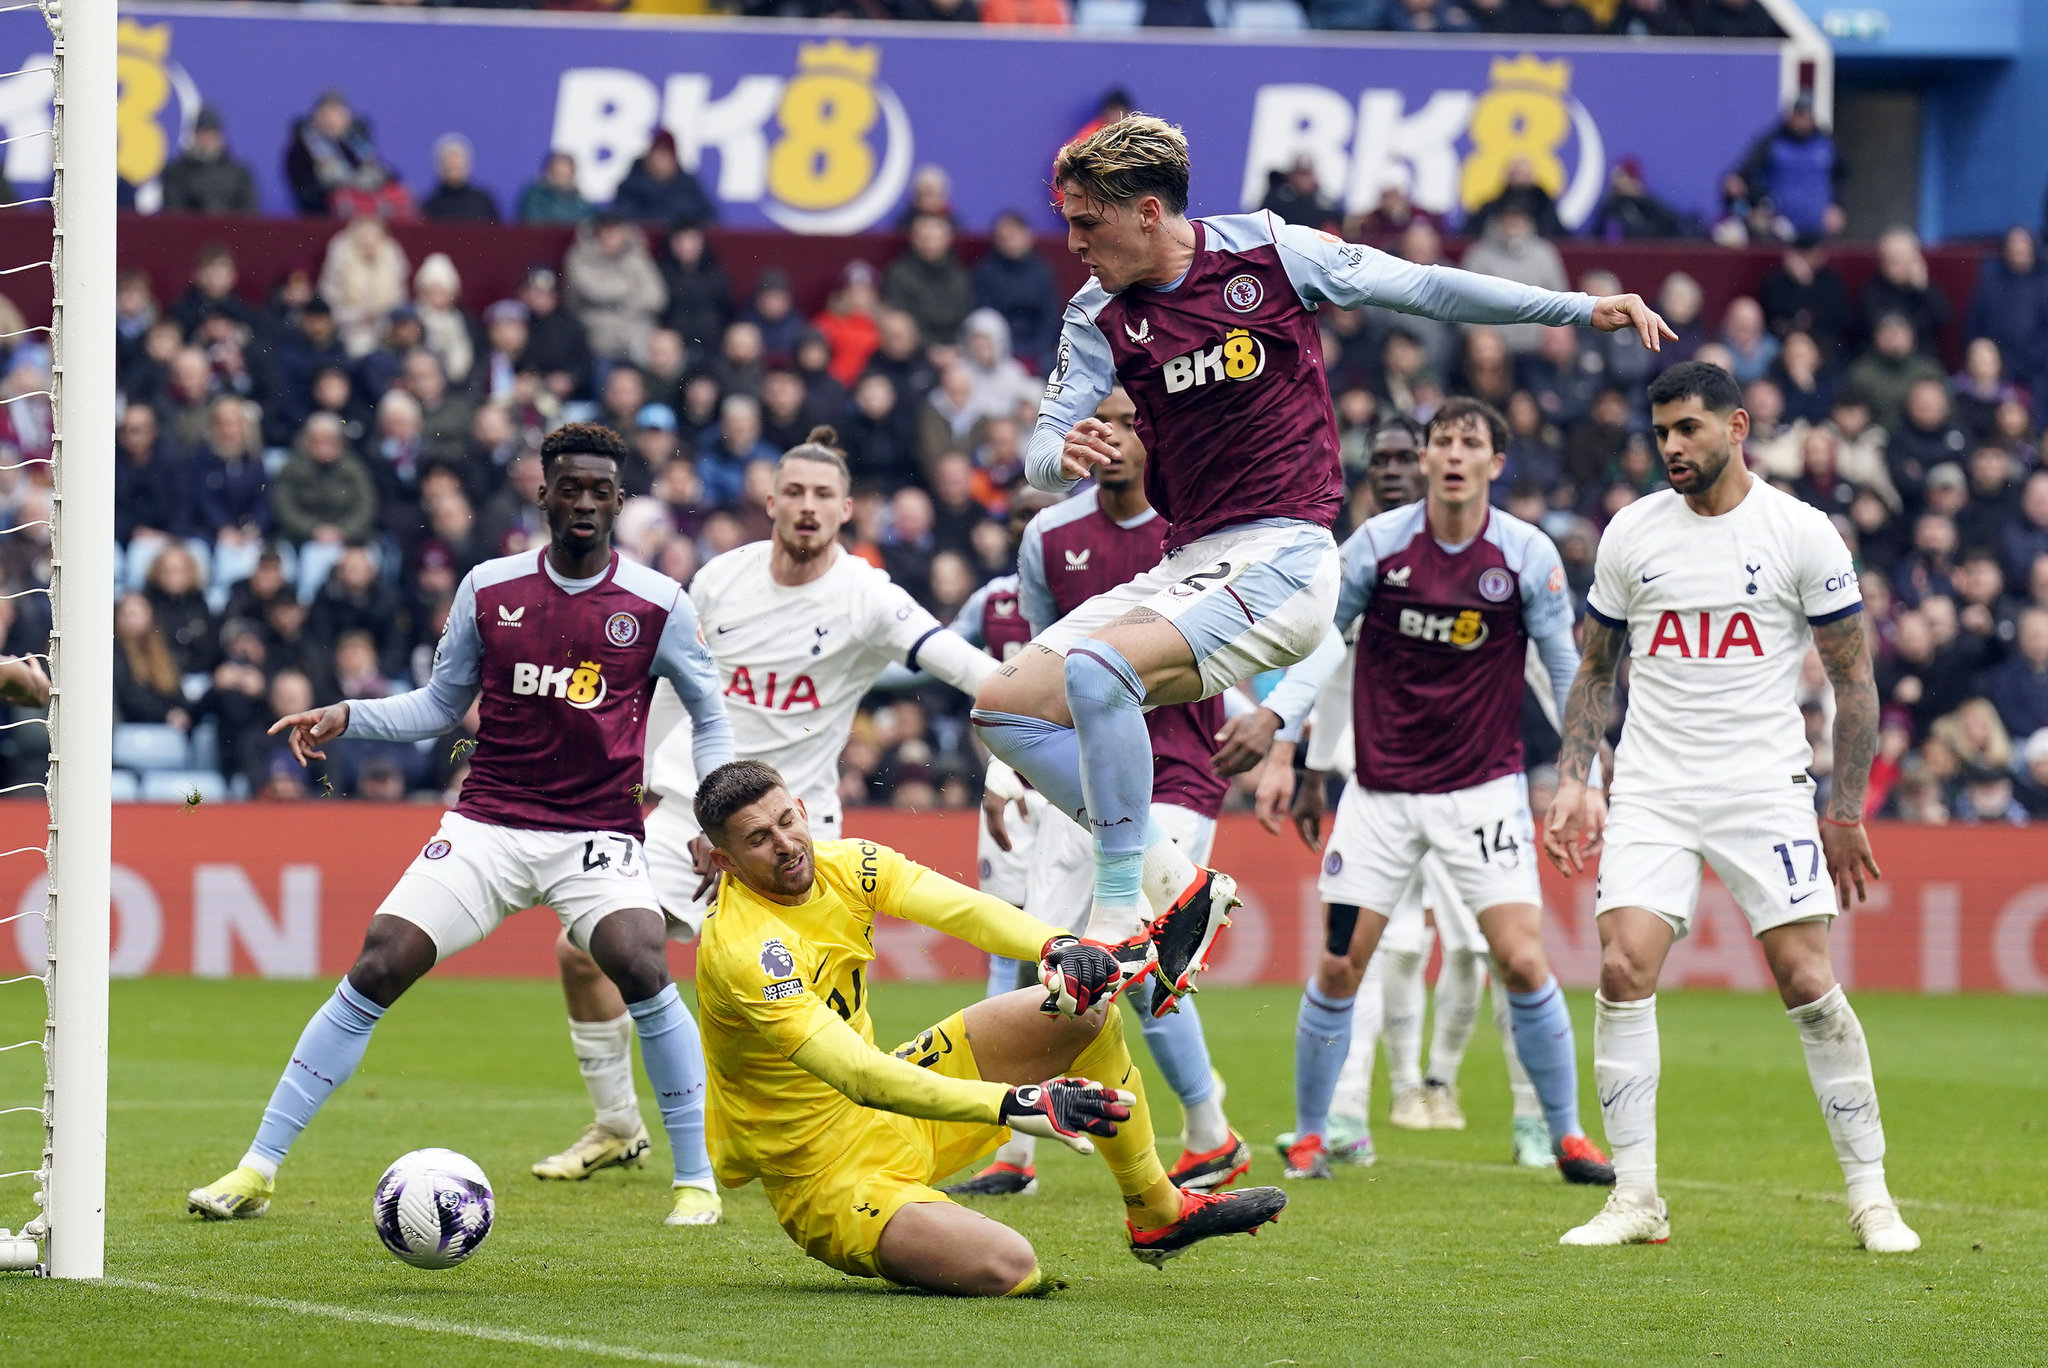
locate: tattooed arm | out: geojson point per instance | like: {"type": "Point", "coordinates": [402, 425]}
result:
{"type": "Point", "coordinates": [1845, 651]}
{"type": "Point", "coordinates": [1571, 834]}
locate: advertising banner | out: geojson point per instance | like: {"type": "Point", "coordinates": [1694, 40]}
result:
{"type": "Point", "coordinates": [285, 890]}
{"type": "Point", "coordinates": [819, 131]}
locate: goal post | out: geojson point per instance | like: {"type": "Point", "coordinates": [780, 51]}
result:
{"type": "Point", "coordinates": [82, 642]}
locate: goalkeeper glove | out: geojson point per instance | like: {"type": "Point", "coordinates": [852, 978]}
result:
{"type": "Point", "coordinates": [1080, 975]}
{"type": "Point", "coordinates": [1067, 1110]}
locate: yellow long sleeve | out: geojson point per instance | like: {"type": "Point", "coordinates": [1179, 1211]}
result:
{"type": "Point", "coordinates": [869, 1078]}
{"type": "Point", "coordinates": [983, 921]}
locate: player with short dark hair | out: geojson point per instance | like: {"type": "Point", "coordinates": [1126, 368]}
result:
{"type": "Point", "coordinates": [847, 1139]}
{"type": "Point", "coordinates": [1716, 587]}
{"type": "Point", "coordinates": [1209, 324]}
{"type": "Point", "coordinates": [564, 646]}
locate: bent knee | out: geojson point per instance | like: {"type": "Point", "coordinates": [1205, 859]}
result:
{"type": "Point", "coordinates": [1802, 983]}
{"type": "Point", "coordinates": [1338, 977]}
{"type": "Point", "coordinates": [1625, 977]}
{"type": "Point", "coordinates": [575, 962]}
{"type": "Point", "coordinates": [1001, 1268]}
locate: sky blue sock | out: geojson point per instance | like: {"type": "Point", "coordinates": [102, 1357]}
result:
{"type": "Point", "coordinates": [1107, 699]}
{"type": "Point", "coordinates": [1046, 753]}
{"type": "Point", "coordinates": [1322, 1037]}
{"type": "Point", "coordinates": [674, 1056]}
{"type": "Point", "coordinates": [327, 1053]}
{"type": "Point", "coordinates": [1544, 1043]}
{"type": "Point", "coordinates": [1002, 975]}
{"type": "Point", "coordinates": [1181, 1051]}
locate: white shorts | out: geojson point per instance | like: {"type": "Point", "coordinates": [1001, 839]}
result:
{"type": "Point", "coordinates": [1431, 899]}
{"type": "Point", "coordinates": [473, 875]}
{"type": "Point", "coordinates": [1004, 873]}
{"type": "Point", "coordinates": [1060, 879]}
{"type": "Point", "coordinates": [1765, 847]}
{"type": "Point", "coordinates": [670, 829]}
{"type": "Point", "coordinates": [1482, 836]}
{"type": "Point", "coordinates": [1248, 599]}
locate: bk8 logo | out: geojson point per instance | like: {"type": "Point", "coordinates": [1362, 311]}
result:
{"type": "Point", "coordinates": [582, 687]}
{"type": "Point", "coordinates": [1465, 630]}
{"type": "Point", "coordinates": [1239, 356]}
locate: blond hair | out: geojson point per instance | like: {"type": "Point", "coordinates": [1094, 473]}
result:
{"type": "Point", "coordinates": [1136, 155]}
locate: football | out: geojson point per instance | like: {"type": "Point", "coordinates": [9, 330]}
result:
{"type": "Point", "coordinates": [433, 1208]}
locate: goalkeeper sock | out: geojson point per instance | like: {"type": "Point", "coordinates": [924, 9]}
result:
{"type": "Point", "coordinates": [1458, 985]}
{"type": "Point", "coordinates": [327, 1053]}
{"type": "Point", "coordinates": [1838, 1062]}
{"type": "Point", "coordinates": [674, 1056]}
{"type": "Point", "coordinates": [1322, 1037]}
{"type": "Point", "coordinates": [604, 1053]}
{"type": "Point", "coordinates": [1401, 990]}
{"type": "Point", "coordinates": [1107, 699]}
{"type": "Point", "coordinates": [1626, 1065]}
{"type": "Point", "coordinates": [1131, 1153]}
{"type": "Point", "coordinates": [1528, 1107]}
{"type": "Point", "coordinates": [1543, 1038]}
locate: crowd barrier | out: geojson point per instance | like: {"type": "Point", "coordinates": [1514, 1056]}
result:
{"type": "Point", "coordinates": [284, 891]}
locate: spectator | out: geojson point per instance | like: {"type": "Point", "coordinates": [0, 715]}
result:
{"type": "Point", "coordinates": [1994, 489]}
{"type": "Point", "coordinates": [1561, 378]}
{"type": "Point", "coordinates": [2025, 535]}
{"type": "Point", "coordinates": [1901, 286]}
{"type": "Point", "coordinates": [848, 323]}
{"type": "Point", "coordinates": [1486, 371]}
{"type": "Point", "coordinates": [1391, 214]}
{"type": "Point", "coordinates": [658, 190]}
{"type": "Point", "coordinates": [1861, 447]}
{"type": "Point", "coordinates": [363, 279]}
{"type": "Point", "coordinates": [1886, 373]}
{"type": "Point", "coordinates": [741, 365]}
{"type": "Point", "coordinates": [699, 291]}
{"type": "Point", "coordinates": [204, 178]}
{"type": "Point", "coordinates": [448, 331]}
{"type": "Point", "coordinates": [445, 414]}
{"type": "Point", "coordinates": [187, 394]}
{"type": "Point", "coordinates": [456, 199]}
{"type": "Point", "coordinates": [1595, 445]}
{"type": "Point", "coordinates": [323, 493]}
{"type": "Point", "coordinates": [1743, 334]}
{"type": "Point", "coordinates": [928, 282]}
{"type": "Point", "coordinates": [1803, 293]}
{"type": "Point", "coordinates": [146, 683]}
{"type": "Point", "coordinates": [2032, 788]}
{"type": "Point", "coordinates": [557, 346]}
{"type": "Point", "coordinates": [1976, 736]}
{"type": "Point", "coordinates": [554, 198]}
{"type": "Point", "coordinates": [512, 520]}
{"type": "Point", "coordinates": [1797, 170]}
{"type": "Point", "coordinates": [1802, 376]}
{"type": "Point", "coordinates": [311, 344]}
{"type": "Point", "coordinates": [1680, 301]}
{"type": "Point", "coordinates": [1563, 17]}
{"type": "Point", "coordinates": [1927, 438]}
{"type": "Point", "coordinates": [901, 357]}
{"type": "Point", "coordinates": [151, 484]}
{"type": "Point", "coordinates": [1000, 384]}
{"type": "Point", "coordinates": [1987, 796]}
{"type": "Point", "coordinates": [931, 192]}
{"type": "Point", "coordinates": [1426, 16]}
{"type": "Point", "coordinates": [1520, 191]}
{"type": "Point", "coordinates": [1535, 455]}
{"type": "Point", "coordinates": [786, 416]}
{"type": "Point", "coordinates": [1928, 568]}
{"type": "Point", "coordinates": [1510, 248]}
{"type": "Point", "coordinates": [773, 313]}
{"type": "Point", "coordinates": [822, 390]}
{"type": "Point", "coordinates": [1176, 14]}
{"type": "Point", "coordinates": [1775, 448]}
{"type": "Point", "coordinates": [727, 450]}
{"type": "Point", "coordinates": [333, 166]}
{"type": "Point", "coordinates": [178, 599]}
{"type": "Point", "coordinates": [937, 11]}
{"type": "Point", "coordinates": [1820, 480]}
{"type": "Point", "coordinates": [1630, 211]}
{"type": "Point", "coordinates": [614, 290]}
{"type": "Point", "coordinates": [1736, 19]}
{"type": "Point", "coordinates": [1981, 388]}
{"type": "Point", "coordinates": [1016, 281]}
{"type": "Point", "coordinates": [956, 513]}
{"type": "Point", "coordinates": [1649, 19]}
{"type": "Point", "coordinates": [951, 420]}
{"type": "Point", "coordinates": [879, 437]}
{"type": "Point", "coordinates": [230, 490]}
{"type": "Point", "coordinates": [505, 338]}
{"type": "Point", "coordinates": [354, 599]}
{"type": "Point", "coordinates": [2011, 308]}
{"type": "Point", "coordinates": [211, 291]}
{"type": "Point", "coordinates": [908, 547]}
{"type": "Point", "coordinates": [625, 394]}
{"type": "Point", "coordinates": [1296, 196]}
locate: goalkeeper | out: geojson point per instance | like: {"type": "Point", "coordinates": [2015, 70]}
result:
{"type": "Point", "coordinates": [847, 1140]}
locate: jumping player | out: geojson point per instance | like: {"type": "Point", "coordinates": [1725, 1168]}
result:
{"type": "Point", "coordinates": [846, 1139]}
{"type": "Point", "coordinates": [1451, 592]}
{"type": "Point", "coordinates": [1715, 586]}
{"type": "Point", "coordinates": [1209, 325]}
{"type": "Point", "coordinates": [564, 645]}
{"type": "Point", "coordinates": [1071, 552]}
{"type": "Point", "coordinates": [799, 629]}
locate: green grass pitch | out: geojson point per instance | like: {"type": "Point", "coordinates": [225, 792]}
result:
{"type": "Point", "coordinates": [1441, 1254]}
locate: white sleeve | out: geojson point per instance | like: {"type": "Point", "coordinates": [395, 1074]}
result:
{"type": "Point", "coordinates": [425, 713]}
{"type": "Point", "coordinates": [1083, 373]}
{"type": "Point", "coordinates": [1611, 594]}
{"type": "Point", "coordinates": [684, 660]}
{"type": "Point", "coordinates": [1348, 274]}
{"type": "Point", "coordinates": [967, 623]}
{"type": "Point", "coordinates": [1826, 576]}
{"type": "Point", "coordinates": [1296, 692]}
{"type": "Point", "coordinates": [1330, 723]}
{"type": "Point", "coordinates": [947, 657]}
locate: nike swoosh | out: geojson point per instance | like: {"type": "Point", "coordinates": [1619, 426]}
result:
{"type": "Point", "coordinates": [721, 631]}
{"type": "Point", "coordinates": [1803, 897]}
{"type": "Point", "coordinates": [1659, 575]}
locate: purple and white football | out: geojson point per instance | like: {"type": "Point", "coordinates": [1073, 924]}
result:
{"type": "Point", "coordinates": [433, 1208]}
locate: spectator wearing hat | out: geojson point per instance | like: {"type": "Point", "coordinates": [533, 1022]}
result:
{"type": "Point", "coordinates": [614, 289]}
{"type": "Point", "coordinates": [699, 291]}
{"type": "Point", "coordinates": [654, 446]}
{"type": "Point", "coordinates": [448, 331]}
{"type": "Point", "coordinates": [204, 178]}
{"type": "Point", "coordinates": [1987, 796]}
{"type": "Point", "coordinates": [554, 197]}
{"type": "Point", "coordinates": [773, 311]}
{"type": "Point", "coordinates": [333, 165]}
{"type": "Point", "coordinates": [505, 338]}
{"type": "Point", "coordinates": [456, 199]}
{"type": "Point", "coordinates": [1295, 196]}
{"type": "Point", "coordinates": [1015, 280]}
{"type": "Point", "coordinates": [659, 190]}
{"type": "Point", "coordinates": [1798, 170]}
{"type": "Point", "coordinates": [928, 282]}
{"type": "Point", "coordinates": [310, 344]}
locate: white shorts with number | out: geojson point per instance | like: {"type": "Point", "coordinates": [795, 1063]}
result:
{"type": "Point", "coordinates": [1248, 599]}
{"type": "Point", "coordinates": [1004, 873]}
{"type": "Point", "coordinates": [1060, 880]}
{"type": "Point", "coordinates": [1765, 847]}
{"type": "Point", "coordinates": [1431, 899]}
{"type": "Point", "coordinates": [1482, 837]}
{"type": "Point", "coordinates": [473, 875]}
{"type": "Point", "coordinates": [673, 870]}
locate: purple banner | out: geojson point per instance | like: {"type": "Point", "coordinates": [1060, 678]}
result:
{"type": "Point", "coordinates": [817, 130]}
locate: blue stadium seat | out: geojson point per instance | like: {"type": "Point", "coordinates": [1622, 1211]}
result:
{"type": "Point", "coordinates": [1108, 14]}
{"type": "Point", "coordinates": [147, 746]}
{"type": "Point", "coordinates": [124, 786]}
{"type": "Point", "coordinates": [178, 786]}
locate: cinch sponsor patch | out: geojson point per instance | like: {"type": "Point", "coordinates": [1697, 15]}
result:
{"type": "Point", "coordinates": [787, 988]}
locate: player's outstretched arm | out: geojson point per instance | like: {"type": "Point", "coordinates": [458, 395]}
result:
{"type": "Point", "coordinates": [1612, 313]}
{"type": "Point", "coordinates": [1845, 652]}
{"type": "Point", "coordinates": [309, 731]}
{"type": "Point", "coordinates": [1571, 833]}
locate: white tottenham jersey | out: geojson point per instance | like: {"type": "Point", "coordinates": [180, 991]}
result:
{"type": "Point", "coordinates": [793, 664]}
{"type": "Point", "coordinates": [1719, 614]}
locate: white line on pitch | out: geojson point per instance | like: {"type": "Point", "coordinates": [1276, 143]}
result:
{"type": "Point", "coordinates": [1739, 1189]}
{"type": "Point", "coordinates": [495, 1334]}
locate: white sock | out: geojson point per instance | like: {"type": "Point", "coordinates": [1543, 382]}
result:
{"type": "Point", "coordinates": [604, 1052]}
{"type": "Point", "coordinates": [1168, 872]}
{"type": "Point", "coordinates": [1626, 1065]}
{"type": "Point", "coordinates": [1458, 985]}
{"type": "Point", "coordinates": [1207, 1129]}
{"type": "Point", "coordinates": [1838, 1062]}
{"type": "Point", "coordinates": [1401, 989]}
{"type": "Point", "coordinates": [1019, 1150]}
{"type": "Point", "coordinates": [1354, 1084]}
{"type": "Point", "coordinates": [1528, 1106]}
{"type": "Point", "coordinates": [266, 1167]}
